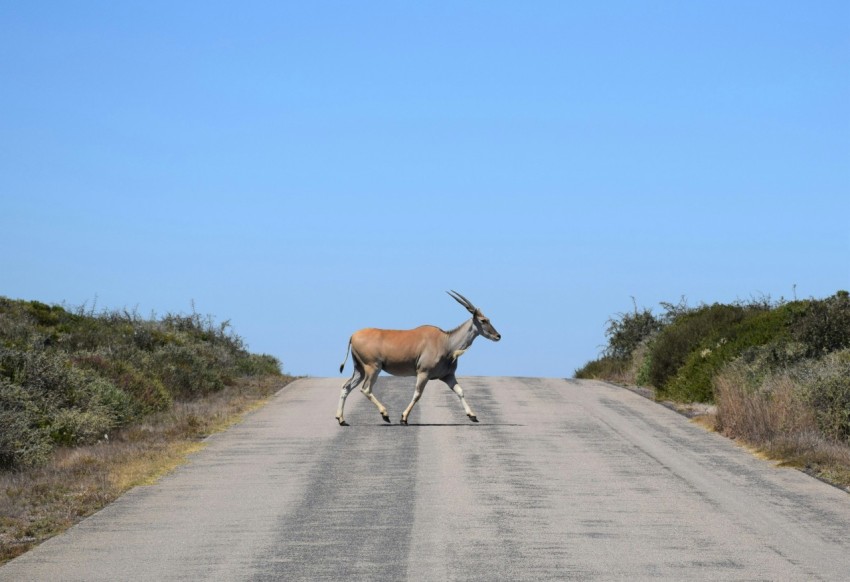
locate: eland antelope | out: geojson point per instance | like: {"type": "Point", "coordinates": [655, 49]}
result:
{"type": "Point", "coordinates": [427, 352]}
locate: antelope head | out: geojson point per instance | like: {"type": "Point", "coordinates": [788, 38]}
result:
{"type": "Point", "coordinates": [480, 321]}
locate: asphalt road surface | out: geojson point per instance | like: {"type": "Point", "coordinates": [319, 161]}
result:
{"type": "Point", "coordinates": [560, 480]}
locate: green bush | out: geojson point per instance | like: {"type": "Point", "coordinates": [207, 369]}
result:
{"type": "Point", "coordinates": [71, 405]}
{"type": "Point", "coordinates": [777, 355]}
{"type": "Point", "coordinates": [145, 391]}
{"type": "Point", "coordinates": [186, 371]}
{"type": "Point", "coordinates": [260, 365]}
{"type": "Point", "coordinates": [693, 380]}
{"type": "Point", "coordinates": [69, 377]}
{"type": "Point", "coordinates": [644, 366]}
{"type": "Point", "coordinates": [73, 426]}
{"type": "Point", "coordinates": [824, 326]}
{"type": "Point", "coordinates": [684, 335]}
{"type": "Point", "coordinates": [47, 375]}
{"type": "Point", "coordinates": [24, 441]}
{"type": "Point", "coordinates": [627, 331]}
{"type": "Point", "coordinates": [827, 383]}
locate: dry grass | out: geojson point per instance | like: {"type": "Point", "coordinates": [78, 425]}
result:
{"type": "Point", "coordinates": [39, 503]}
{"type": "Point", "coordinates": [775, 422]}
{"type": "Point", "coordinates": [772, 411]}
{"type": "Point", "coordinates": [622, 371]}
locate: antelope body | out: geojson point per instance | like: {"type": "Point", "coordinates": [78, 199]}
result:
{"type": "Point", "coordinates": [427, 352]}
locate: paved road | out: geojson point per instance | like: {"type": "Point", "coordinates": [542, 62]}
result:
{"type": "Point", "coordinates": [560, 480]}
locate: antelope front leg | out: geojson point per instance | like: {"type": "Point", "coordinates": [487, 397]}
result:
{"type": "Point", "coordinates": [421, 380]}
{"type": "Point", "coordinates": [452, 383]}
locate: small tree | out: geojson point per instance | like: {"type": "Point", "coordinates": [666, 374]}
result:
{"type": "Point", "coordinates": [824, 326]}
{"type": "Point", "coordinates": [626, 331]}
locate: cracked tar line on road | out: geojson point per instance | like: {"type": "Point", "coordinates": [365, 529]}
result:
{"type": "Point", "coordinates": [560, 480]}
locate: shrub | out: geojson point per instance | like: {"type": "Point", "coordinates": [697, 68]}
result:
{"type": "Point", "coordinates": [827, 384]}
{"type": "Point", "coordinates": [780, 354]}
{"type": "Point", "coordinates": [626, 331]}
{"type": "Point", "coordinates": [48, 376]}
{"type": "Point", "coordinates": [23, 440]}
{"type": "Point", "coordinates": [627, 335]}
{"type": "Point", "coordinates": [73, 426]}
{"type": "Point", "coordinates": [830, 397]}
{"type": "Point", "coordinates": [145, 390]}
{"type": "Point", "coordinates": [186, 371]}
{"type": "Point", "coordinates": [605, 368]}
{"type": "Point", "coordinates": [824, 326]}
{"type": "Point", "coordinates": [693, 380]}
{"type": "Point", "coordinates": [16, 329]}
{"type": "Point", "coordinates": [69, 404]}
{"type": "Point", "coordinates": [260, 365]}
{"type": "Point", "coordinates": [69, 377]}
{"type": "Point", "coordinates": [644, 365]}
{"type": "Point", "coordinates": [685, 334]}
{"type": "Point", "coordinates": [203, 330]}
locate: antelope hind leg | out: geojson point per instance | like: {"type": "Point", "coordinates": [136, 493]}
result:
{"type": "Point", "coordinates": [366, 389]}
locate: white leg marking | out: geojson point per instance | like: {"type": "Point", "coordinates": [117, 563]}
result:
{"type": "Point", "coordinates": [451, 381]}
{"type": "Point", "coordinates": [421, 380]}
{"type": "Point", "coordinates": [355, 379]}
{"type": "Point", "coordinates": [366, 389]}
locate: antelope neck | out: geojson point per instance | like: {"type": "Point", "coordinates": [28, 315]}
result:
{"type": "Point", "coordinates": [462, 336]}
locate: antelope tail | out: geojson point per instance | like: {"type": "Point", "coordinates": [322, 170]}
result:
{"type": "Point", "coordinates": [348, 349]}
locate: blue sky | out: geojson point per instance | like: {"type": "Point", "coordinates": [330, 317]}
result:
{"type": "Point", "coordinates": [305, 169]}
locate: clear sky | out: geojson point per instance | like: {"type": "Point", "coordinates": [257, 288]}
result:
{"type": "Point", "coordinates": [305, 169]}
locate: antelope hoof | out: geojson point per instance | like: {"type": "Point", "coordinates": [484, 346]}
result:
{"type": "Point", "coordinates": [342, 422]}
{"type": "Point", "coordinates": [403, 420]}
{"type": "Point", "coordinates": [473, 418]}
{"type": "Point", "coordinates": [386, 418]}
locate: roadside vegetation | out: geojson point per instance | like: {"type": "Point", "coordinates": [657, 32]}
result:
{"type": "Point", "coordinates": [777, 373]}
{"type": "Point", "coordinates": [92, 404]}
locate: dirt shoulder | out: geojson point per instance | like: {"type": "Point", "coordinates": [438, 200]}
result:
{"type": "Point", "coordinates": [37, 504]}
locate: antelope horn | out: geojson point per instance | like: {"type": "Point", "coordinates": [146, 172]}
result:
{"type": "Point", "coordinates": [463, 301]}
